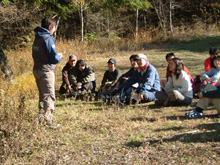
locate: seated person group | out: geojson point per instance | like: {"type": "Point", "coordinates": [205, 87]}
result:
{"type": "Point", "coordinates": [141, 83]}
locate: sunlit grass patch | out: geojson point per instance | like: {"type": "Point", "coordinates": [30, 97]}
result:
{"type": "Point", "coordinates": [95, 133]}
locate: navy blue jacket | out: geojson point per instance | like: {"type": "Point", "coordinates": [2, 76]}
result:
{"type": "Point", "coordinates": [148, 80]}
{"type": "Point", "coordinates": [44, 50]}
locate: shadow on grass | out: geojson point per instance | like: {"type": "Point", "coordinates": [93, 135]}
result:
{"type": "Point", "coordinates": [78, 102]}
{"type": "Point", "coordinates": [185, 118]}
{"type": "Point", "coordinates": [95, 109]}
{"type": "Point", "coordinates": [169, 129]}
{"type": "Point", "coordinates": [143, 119]}
{"type": "Point", "coordinates": [134, 144]}
{"type": "Point", "coordinates": [201, 45]}
{"type": "Point", "coordinates": [148, 106]}
{"type": "Point", "coordinates": [212, 134]}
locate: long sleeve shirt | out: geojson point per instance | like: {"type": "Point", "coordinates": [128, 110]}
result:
{"type": "Point", "coordinates": [111, 76]}
{"type": "Point", "coordinates": [184, 68]}
{"type": "Point", "coordinates": [66, 71]}
{"type": "Point", "coordinates": [182, 84]}
{"type": "Point", "coordinates": [128, 74]}
{"type": "Point", "coordinates": [85, 76]}
{"type": "Point", "coordinates": [214, 74]}
{"type": "Point", "coordinates": [148, 80]}
{"type": "Point", "coordinates": [207, 64]}
{"type": "Point", "coordinates": [44, 50]}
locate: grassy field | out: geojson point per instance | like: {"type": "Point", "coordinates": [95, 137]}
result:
{"type": "Point", "coordinates": [94, 133]}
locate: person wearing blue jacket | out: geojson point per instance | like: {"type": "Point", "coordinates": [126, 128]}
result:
{"type": "Point", "coordinates": [147, 78]}
{"type": "Point", "coordinates": [206, 98]}
{"type": "Point", "coordinates": [45, 59]}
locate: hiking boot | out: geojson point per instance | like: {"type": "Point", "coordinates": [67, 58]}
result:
{"type": "Point", "coordinates": [194, 114]}
{"type": "Point", "coordinates": [41, 114]}
{"type": "Point", "coordinates": [53, 125]}
{"type": "Point", "coordinates": [48, 116]}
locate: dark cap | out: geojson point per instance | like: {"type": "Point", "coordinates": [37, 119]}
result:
{"type": "Point", "coordinates": [72, 57]}
{"type": "Point", "coordinates": [112, 60]}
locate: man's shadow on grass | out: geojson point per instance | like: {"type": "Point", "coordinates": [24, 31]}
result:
{"type": "Point", "coordinates": [211, 134]}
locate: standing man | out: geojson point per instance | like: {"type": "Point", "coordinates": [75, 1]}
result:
{"type": "Point", "coordinates": [45, 60]}
{"type": "Point", "coordinates": [147, 78]}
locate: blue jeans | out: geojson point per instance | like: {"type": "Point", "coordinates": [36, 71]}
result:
{"type": "Point", "coordinates": [149, 96]}
{"type": "Point", "coordinates": [212, 94]}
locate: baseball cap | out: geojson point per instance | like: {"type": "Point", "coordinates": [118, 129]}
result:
{"type": "Point", "coordinates": [72, 57]}
{"type": "Point", "coordinates": [141, 56]}
{"type": "Point", "coordinates": [112, 60]}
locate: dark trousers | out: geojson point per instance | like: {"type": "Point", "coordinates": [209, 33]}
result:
{"type": "Point", "coordinates": [212, 94]}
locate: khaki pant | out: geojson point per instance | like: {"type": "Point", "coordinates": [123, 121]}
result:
{"type": "Point", "coordinates": [205, 102]}
{"type": "Point", "coordinates": [46, 87]}
{"type": "Point", "coordinates": [174, 98]}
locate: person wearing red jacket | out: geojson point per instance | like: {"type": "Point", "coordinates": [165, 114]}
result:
{"type": "Point", "coordinates": [208, 62]}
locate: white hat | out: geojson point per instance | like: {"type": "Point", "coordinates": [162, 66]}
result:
{"type": "Point", "coordinates": [141, 56]}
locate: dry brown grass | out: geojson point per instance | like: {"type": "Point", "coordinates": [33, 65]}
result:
{"type": "Point", "coordinates": [94, 133]}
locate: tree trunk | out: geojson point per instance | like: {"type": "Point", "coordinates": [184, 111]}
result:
{"type": "Point", "coordinates": [171, 21]}
{"type": "Point", "coordinates": [58, 21]}
{"type": "Point", "coordinates": [158, 13]}
{"type": "Point", "coordinates": [108, 23]}
{"type": "Point", "coordinates": [5, 67]}
{"type": "Point", "coordinates": [136, 35]}
{"type": "Point", "coordinates": [82, 22]}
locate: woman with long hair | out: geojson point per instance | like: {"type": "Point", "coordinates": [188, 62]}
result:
{"type": "Point", "coordinates": [178, 89]}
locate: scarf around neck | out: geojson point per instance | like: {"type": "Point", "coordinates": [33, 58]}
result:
{"type": "Point", "coordinates": [144, 67]}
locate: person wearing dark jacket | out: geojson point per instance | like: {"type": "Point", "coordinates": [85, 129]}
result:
{"type": "Point", "coordinates": [66, 86]}
{"type": "Point", "coordinates": [110, 76]}
{"type": "Point", "coordinates": [147, 78]}
{"type": "Point", "coordinates": [45, 59]}
{"type": "Point", "coordinates": [83, 77]}
{"type": "Point", "coordinates": [126, 94]}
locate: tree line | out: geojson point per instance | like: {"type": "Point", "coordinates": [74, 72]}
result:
{"type": "Point", "coordinates": [103, 19]}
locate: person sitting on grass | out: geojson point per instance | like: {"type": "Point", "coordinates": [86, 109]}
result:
{"type": "Point", "coordinates": [178, 89]}
{"type": "Point", "coordinates": [147, 78]}
{"type": "Point", "coordinates": [124, 77]}
{"type": "Point", "coordinates": [110, 76]}
{"type": "Point", "coordinates": [169, 57]}
{"type": "Point", "coordinates": [83, 77]}
{"type": "Point", "coordinates": [208, 64]}
{"type": "Point", "coordinates": [206, 98]}
{"type": "Point", "coordinates": [70, 65]}
{"type": "Point", "coordinates": [212, 76]}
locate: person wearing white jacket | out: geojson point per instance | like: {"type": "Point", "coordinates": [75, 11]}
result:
{"type": "Point", "coordinates": [178, 89]}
